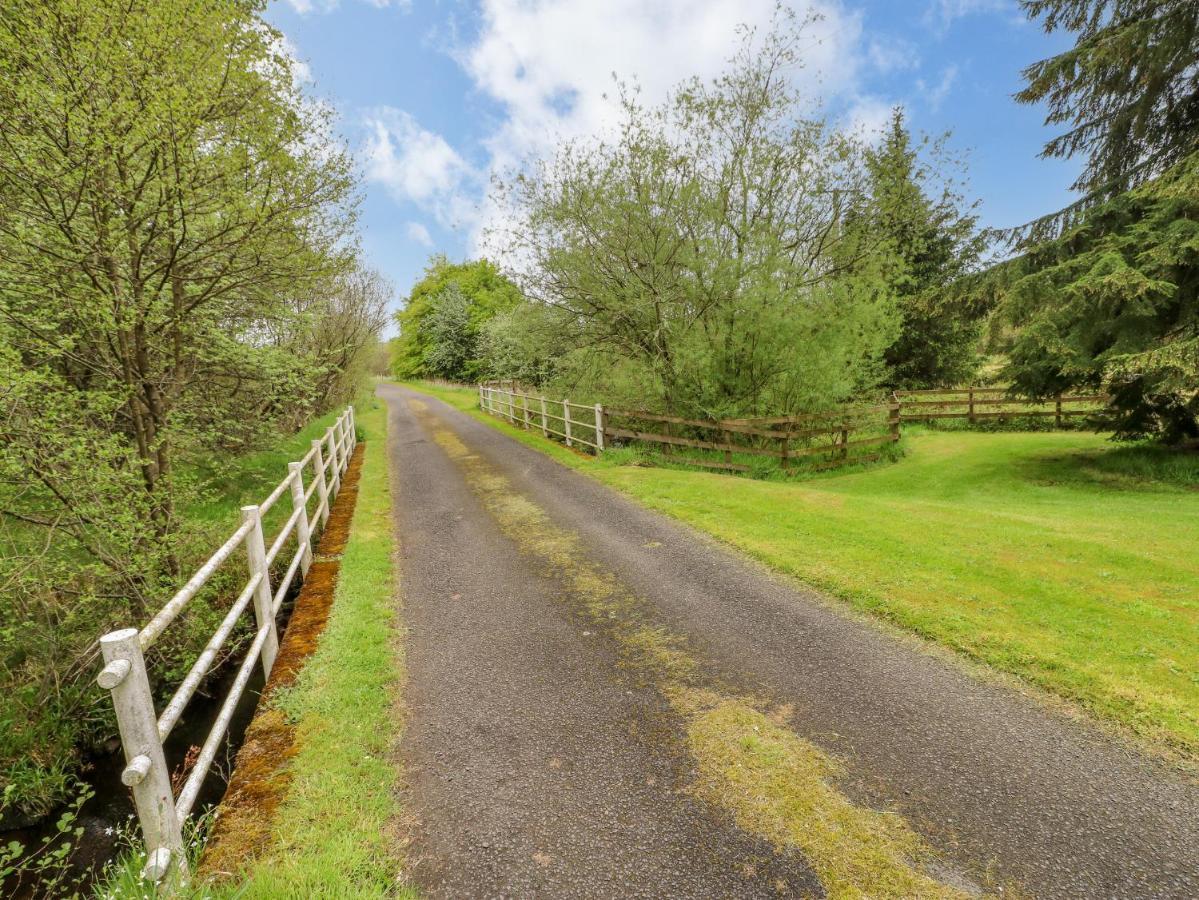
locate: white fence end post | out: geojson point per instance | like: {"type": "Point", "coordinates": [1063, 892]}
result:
{"type": "Point", "coordinates": [566, 420]}
{"type": "Point", "coordinates": [599, 429]}
{"type": "Point", "coordinates": [544, 428]}
{"type": "Point", "coordinates": [125, 676]}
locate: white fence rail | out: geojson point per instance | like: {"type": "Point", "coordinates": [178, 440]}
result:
{"type": "Point", "coordinates": [554, 417]}
{"type": "Point", "coordinates": [160, 813]}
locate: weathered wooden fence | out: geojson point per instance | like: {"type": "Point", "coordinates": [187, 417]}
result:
{"type": "Point", "coordinates": [833, 438]}
{"type": "Point", "coordinates": [161, 813]}
{"type": "Point", "coordinates": [977, 404]}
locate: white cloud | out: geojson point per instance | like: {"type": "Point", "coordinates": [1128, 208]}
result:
{"type": "Point", "coordinates": [550, 64]}
{"type": "Point", "coordinates": [307, 7]}
{"type": "Point", "coordinates": [889, 54]}
{"type": "Point", "coordinates": [418, 166]}
{"type": "Point", "coordinates": [935, 94]}
{"type": "Point", "coordinates": [940, 14]}
{"type": "Point", "coordinates": [418, 233]}
{"type": "Point", "coordinates": [868, 118]}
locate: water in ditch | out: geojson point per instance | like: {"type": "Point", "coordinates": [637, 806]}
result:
{"type": "Point", "coordinates": [109, 812]}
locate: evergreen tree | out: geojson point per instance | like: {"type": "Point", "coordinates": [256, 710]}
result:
{"type": "Point", "coordinates": [1113, 304]}
{"type": "Point", "coordinates": [935, 243]}
{"type": "Point", "coordinates": [1128, 92]}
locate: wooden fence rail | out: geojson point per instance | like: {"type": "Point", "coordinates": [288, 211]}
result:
{"type": "Point", "coordinates": [782, 437]}
{"type": "Point", "coordinates": [975, 403]}
{"type": "Point", "coordinates": [161, 813]}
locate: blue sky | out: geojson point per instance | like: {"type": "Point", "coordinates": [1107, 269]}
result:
{"type": "Point", "coordinates": [434, 96]}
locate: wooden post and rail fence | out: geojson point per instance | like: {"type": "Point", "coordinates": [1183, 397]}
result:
{"type": "Point", "coordinates": [161, 812]}
{"type": "Point", "coordinates": [848, 434]}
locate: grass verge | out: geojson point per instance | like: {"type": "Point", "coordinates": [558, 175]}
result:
{"type": "Point", "coordinates": [331, 832]}
{"type": "Point", "coordinates": [1055, 556]}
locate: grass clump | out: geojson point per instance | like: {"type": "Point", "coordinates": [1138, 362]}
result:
{"type": "Point", "coordinates": [780, 786]}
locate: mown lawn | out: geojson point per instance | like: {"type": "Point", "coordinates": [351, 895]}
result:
{"type": "Point", "coordinates": [1056, 556]}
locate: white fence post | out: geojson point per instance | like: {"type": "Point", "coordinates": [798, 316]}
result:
{"type": "Point", "coordinates": [566, 419]}
{"type": "Point", "coordinates": [303, 533]}
{"type": "Point", "coordinates": [263, 601]}
{"type": "Point", "coordinates": [146, 770]}
{"type": "Point", "coordinates": [334, 462]}
{"type": "Point", "coordinates": [353, 423]}
{"type": "Point", "coordinates": [322, 486]}
{"type": "Point", "coordinates": [482, 405]}
{"type": "Point", "coordinates": [544, 429]}
{"type": "Point", "coordinates": [512, 407]}
{"type": "Point", "coordinates": [524, 403]}
{"type": "Point", "coordinates": [599, 429]}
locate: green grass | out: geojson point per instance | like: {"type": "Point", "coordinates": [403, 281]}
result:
{"type": "Point", "coordinates": [331, 837]}
{"type": "Point", "coordinates": [1056, 556]}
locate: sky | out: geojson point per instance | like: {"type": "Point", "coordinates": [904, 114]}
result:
{"type": "Point", "coordinates": [435, 97]}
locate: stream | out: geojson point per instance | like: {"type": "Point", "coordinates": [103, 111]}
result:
{"type": "Point", "coordinates": [110, 810]}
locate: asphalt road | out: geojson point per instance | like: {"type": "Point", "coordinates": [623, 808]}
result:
{"type": "Point", "coordinates": [537, 767]}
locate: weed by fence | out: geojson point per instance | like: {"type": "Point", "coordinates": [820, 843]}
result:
{"type": "Point", "coordinates": [161, 812]}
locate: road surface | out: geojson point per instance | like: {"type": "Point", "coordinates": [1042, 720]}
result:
{"type": "Point", "coordinates": [537, 764]}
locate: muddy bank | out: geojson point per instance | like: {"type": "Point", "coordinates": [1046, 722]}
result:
{"type": "Point", "coordinates": [261, 770]}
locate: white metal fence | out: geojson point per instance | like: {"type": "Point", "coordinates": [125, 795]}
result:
{"type": "Point", "coordinates": [160, 812]}
{"type": "Point", "coordinates": [553, 417]}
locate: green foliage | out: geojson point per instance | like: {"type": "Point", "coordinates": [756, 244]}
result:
{"type": "Point", "coordinates": [445, 344]}
{"type": "Point", "coordinates": [1113, 304]}
{"type": "Point", "coordinates": [936, 244]}
{"type": "Point", "coordinates": [1126, 91]}
{"type": "Point", "coordinates": [177, 283]}
{"type": "Point", "coordinates": [703, 258]}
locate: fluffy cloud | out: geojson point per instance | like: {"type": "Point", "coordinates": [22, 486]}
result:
{"type": "Point", "coordinates": [418, 166]}
{"type": "Point", "coordinates": [418, 233]}
{"type": "Point", "coordinates": [550, 64]}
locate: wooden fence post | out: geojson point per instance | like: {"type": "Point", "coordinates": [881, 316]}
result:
{"type": "Point", "coordinates": [566, 419]}
{"type": "Point", "coordinates": [1057, 411]}
{"type": "Point", "coordinates": [322, 486]}
{"type": "Point", "coordinates": [845, 440]}
{"type": "Point", "coordinates": [728, 439]}
{"type": "Point", "coordinates": [971, 402]}
{"type": "Point", "coordinates": [482, 405]}
{"type": "Point", "coordinates": [544, 428]}
{"type": "Point", "coordinates": [525, 410]}
{"type": "Point", "coordinates": [893, 420]}
{"type": "Point", "coordinates": [599, 429]}
{"type": "Point", "coordinates": [352, 427]}
{"type": "Point", "coordinates": [303, 532]}
{"type": "Point", "coordinates": [124, 674]}
{"type": "Point", "coordinates": [512, 406]}
{"type": "Point", "coordinates": [263, 601]}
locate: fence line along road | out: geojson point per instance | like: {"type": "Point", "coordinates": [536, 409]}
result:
{"type": "Point", "coordinates": [161, 814]}
{"type": "Point", "coordinates": [782, 437]}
